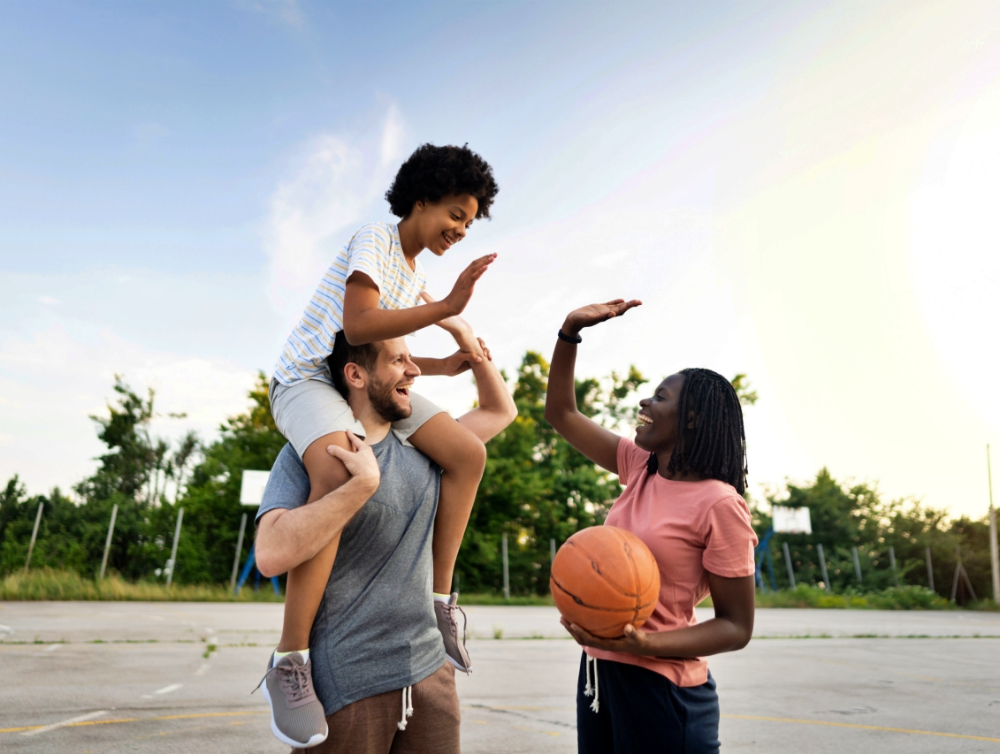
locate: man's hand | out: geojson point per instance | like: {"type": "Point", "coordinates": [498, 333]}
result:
{"type": "Point", "coordinates": [360, 463]}
{"type": "Point", "coordinates": [634, 641]}
{"type": "Point", "coordinates": [462, 361]}
{"type": "Point", "coordinates": [460, 294]}
{"type": "Point", "coordinates": [588, 316]}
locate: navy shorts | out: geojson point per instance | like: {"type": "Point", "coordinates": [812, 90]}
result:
{"type": "Point", "coordinates": [641, 711]}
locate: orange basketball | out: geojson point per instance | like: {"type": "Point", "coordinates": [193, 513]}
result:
{"type": "Point", "coordinates": [604, 578]}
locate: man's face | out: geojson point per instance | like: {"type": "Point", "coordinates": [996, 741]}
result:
{"type": "Point", "coordinates": [390, 382]}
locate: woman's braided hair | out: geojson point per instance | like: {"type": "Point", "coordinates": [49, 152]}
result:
{"type": "Point", "coordinates": [716, 446]}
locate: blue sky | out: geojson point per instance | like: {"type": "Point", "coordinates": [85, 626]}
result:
{"type": "Point", "coordinates": [796, 191]}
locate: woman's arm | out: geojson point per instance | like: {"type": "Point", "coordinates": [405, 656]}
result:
{"type": "Point", "coordinates": [730, 629]}
{"type": "Point", "coordinates": [590, 438]}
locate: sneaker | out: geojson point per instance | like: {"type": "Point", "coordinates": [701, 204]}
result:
{"type": "Point", "coordinates": [454, 637]}
{"type": "Point", "coordinates": [297, 717]}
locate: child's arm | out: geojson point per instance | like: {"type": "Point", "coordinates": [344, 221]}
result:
{"type": "Point", "coordinates": [364, 322]}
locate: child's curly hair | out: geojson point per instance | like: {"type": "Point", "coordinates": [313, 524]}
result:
{"type": "Point", "coordinates": [431, 173]}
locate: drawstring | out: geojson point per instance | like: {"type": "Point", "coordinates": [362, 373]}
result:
{"type": "Point", "coordinates": [594, 691]}
{"type": "Point", "coordinates": [407, 707]}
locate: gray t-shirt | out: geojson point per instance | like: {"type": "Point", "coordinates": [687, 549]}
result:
{"type": "Point", "coordinates": [376, 630]}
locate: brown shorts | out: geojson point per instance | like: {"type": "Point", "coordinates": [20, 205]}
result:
{"type": "Point", "coordinates": [371, 726]}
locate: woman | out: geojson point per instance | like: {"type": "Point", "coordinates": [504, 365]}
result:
{"type": "Point", "coordinates": [685, 473]}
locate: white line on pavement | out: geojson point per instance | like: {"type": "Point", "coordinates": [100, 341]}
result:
{"type": "Point", "coordinates": [6, 630]}
{"type": "Point", "coordinates": [72, 720]}
{"type": "Point", "coordinates": [52, 648]}
{"type": "Point", "coordinates": [203, 669]}
{"type": "Point", "coordinates": [168, 689]}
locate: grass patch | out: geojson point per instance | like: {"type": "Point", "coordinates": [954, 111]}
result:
{"type": "Point", "coordinates": [50, 584]}
{"type": "Point", "coordinates": [489, 598]}
{"type": "Point", "coordinates": [894, 598]}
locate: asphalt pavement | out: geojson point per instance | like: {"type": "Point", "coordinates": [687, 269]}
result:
{"type": "Point", "coordinates": [175, 677]}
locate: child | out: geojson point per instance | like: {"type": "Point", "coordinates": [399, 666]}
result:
{"type": "Point", "coordinates": [371, 292]}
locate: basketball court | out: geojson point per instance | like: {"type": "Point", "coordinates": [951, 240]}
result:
{"type": "Point", "coordinates": [166, 677]}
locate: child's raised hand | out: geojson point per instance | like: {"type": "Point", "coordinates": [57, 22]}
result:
{"type": "Point", "coordinates": [594, 314]}
{"type": "Point", "coordinates": [460, 294]}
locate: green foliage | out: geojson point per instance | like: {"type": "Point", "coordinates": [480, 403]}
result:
{"type": "Point", "coordinates": [211, 500]}
{"type": "Point", "coordinates": [746, 394]}
{"type": "Point", "coordinates": [134, 474]}
{"type": "Point", "coordinates": [536, 486]}
{"type": "Point", "coordinates": [51, 584]}
{"type": "Point", "coordinates": [857, 516]}
{"type": "Point", "coordinates": [893, 598]}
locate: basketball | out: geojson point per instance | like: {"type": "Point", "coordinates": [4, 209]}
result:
{"type": "Point", "coordinates": [604, 578]}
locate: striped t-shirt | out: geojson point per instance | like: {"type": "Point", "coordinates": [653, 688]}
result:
{"type": "Point", "coordinates": [374, 250]}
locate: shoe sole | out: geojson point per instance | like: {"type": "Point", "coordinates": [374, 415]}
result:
{"type": "Point", "coordinates": [457, 665]}
{"type": "Point", "coordinates": [314, 741]}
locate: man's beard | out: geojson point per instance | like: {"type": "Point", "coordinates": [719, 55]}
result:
{"type": "Point", "coordinates": [381, 396]}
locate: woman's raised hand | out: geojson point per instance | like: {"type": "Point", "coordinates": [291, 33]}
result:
{"type": "Point", "coordinates": [588, 316]}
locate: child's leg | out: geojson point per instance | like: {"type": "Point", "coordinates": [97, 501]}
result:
{"type": "Point", "coordinates": [462, 457]}
{"type": "Point", "coordinates": [307, 581]}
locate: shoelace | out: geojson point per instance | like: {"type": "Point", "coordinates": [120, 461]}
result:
{"type": "Point", "coordinates": [454, 623]}
{"type": "Point", "coordinates": [594, 691]}
{"type": "Point", "coordinates": [295, 681]}
{"type": "Point", "coordinates": [407, 707]}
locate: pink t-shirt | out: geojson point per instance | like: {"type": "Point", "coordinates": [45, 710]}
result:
{"type": "Point", "coordinates": [692, 528]}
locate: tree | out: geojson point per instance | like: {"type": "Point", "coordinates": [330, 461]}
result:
{"type": "Point", "coordinates": [856, 516]}
{"type": "Point", "coordinates": [211, 499]}
{"type": "Point", "coordinates": [746, 394]}
{"type": "Point", "coordinates": [536, 486]}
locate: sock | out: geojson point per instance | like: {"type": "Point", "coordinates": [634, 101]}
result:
{"type": "Point", "coordinates": [441, 597]}
{"type": "Point", "coordinates": [304, 652]}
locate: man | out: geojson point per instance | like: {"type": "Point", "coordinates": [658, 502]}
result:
{"type": "Point", "coordinates": [378, 660]}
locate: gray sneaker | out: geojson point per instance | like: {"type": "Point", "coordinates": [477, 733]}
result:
{"type": "Point", "coordinates": [297, 717]}
{"type": "Point", "coordinates": [454, 637]}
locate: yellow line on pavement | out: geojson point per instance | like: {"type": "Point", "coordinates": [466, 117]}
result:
{"type": "Point", "coordinates": [862, 727]}
{"type": "Point", "coordinates": [138, 720]}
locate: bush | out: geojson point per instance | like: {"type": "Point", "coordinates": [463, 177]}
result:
{"type": "Point", "coordinates": [51, 584]}
{"type": "Point", "coordinates": [893, 598]}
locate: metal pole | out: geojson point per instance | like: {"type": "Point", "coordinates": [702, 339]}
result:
{"type": "Point", "coordinates": [107, 542]}
{"type": "Point", "coordinates": [958, 573]}
{"type": "Point", "coordinates": [34, 535]}
{"type": "Point", "coordinates": [822, 567]}
{"type": "Point", "coordinates": [173, 550]}
{"type": "Point", "coordinates": [239, 551]}
{"type": "Point", "coordinates": [552, 550]}
{"type": "Point", "coordinates": [857, 563]}
{"type": "Point", "coordinates": [788, 562]}
{"type": "Point", "coordinates": [994, 553]}
{"type": "Point", "coordinates": [930, 569]}
{"type": "Point", "coordinates": [892, 564]}
{"type": "Point", "coordinates": [506, 573]}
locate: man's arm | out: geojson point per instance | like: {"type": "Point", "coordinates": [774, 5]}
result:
{"type": "Point", "coordinates": [286, 538]}
{"type": "Point", "coordinates": [496, 408]}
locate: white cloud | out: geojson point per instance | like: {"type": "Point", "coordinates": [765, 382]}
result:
{"type": "Point", "coordinates": [333, 185]}
{"type": "Point", "coordinates": [53, 380]}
